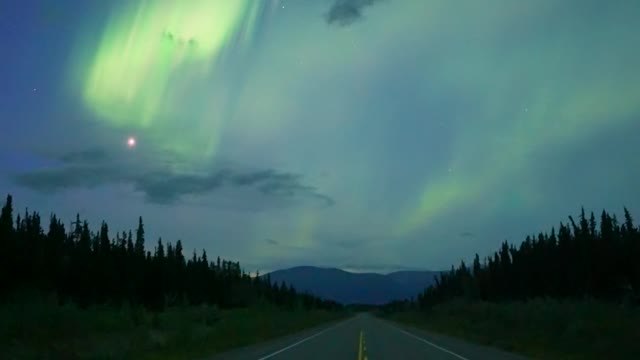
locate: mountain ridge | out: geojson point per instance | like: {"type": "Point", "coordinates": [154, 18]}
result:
{"type": "Point", "coordinates": [355, 288]}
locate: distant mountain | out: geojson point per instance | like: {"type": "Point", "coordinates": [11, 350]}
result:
{"type": "Point", "coordinates": [355, 288]}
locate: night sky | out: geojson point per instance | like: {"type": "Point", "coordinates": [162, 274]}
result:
{"type": "Point", "coordinates": [364, 134]}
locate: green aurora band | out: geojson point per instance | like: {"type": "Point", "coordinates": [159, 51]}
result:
{"type": "Point", "coordinates": [153, 50]}
{"type": "Point", "coordinates": [558, 85]}
{"type": "Point", "coordinates": [528, 78]}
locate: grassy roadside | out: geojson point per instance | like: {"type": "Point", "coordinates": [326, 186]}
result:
{"type": "Point", "coordinates": [41, 329]}
{"type": "Point", "coordinates": [542, 329]}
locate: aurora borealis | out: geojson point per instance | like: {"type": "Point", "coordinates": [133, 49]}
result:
{"type": "Point", "coordinates": [392, 134]}
{"type": "Point", "coordinates": [153, 52]}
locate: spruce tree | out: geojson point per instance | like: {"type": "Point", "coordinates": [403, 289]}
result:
{"type": "Point", "coordinates": [7, 247]}
{"type": "Point", "coordinates": [139, 245]}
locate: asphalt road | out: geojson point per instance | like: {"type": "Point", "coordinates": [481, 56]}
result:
{"type": "Point", "coordinates": [365, 337]}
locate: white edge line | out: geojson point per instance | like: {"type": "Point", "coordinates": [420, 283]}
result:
{"type": "Point", "coordinates": [305, 339]}
{"type": "Point", "coordinates": [430, 343]}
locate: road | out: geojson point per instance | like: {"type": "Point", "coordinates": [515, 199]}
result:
{"type": "Point", "coordinates": [365, 337]}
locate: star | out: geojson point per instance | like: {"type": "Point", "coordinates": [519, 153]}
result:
{"type": "Point", "coordinates": [131, 142]}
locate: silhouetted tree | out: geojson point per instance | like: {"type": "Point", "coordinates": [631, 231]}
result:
{"type": "Point", "coordinates": [7, 247]}
{"type": "Point", "coordinates": [91, 268]}
{"type": "Point", "coordinates": [581, 260]}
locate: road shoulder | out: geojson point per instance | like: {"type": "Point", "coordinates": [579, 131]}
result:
{"type": "Point", "coordinates": [462, 348]}
{"type": "Point", "coordinates": [265, 348]}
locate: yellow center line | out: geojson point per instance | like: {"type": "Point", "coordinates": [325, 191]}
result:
{"type": "Point", "coordinates": [360, 346]}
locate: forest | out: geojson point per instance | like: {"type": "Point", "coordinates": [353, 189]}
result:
{"type": "Point", "coordinates": [583, 259]}
{"type": "Point", "coordinates": [93, 267]}
{"type": "Point", "coordinates": [574, 291]}
{"type": "Point", "coordinates": [570, 293]}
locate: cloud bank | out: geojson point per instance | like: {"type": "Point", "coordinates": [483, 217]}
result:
{"type": "Point", "coordinates": [163, 184]}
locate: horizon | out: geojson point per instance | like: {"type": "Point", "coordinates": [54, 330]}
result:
{"type": "Point", "coordinates": [373, 136]}
{"type": "Point", "coordinates": [352, 270]}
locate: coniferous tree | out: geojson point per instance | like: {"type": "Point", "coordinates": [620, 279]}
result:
{"type": "Point", "coordinates": [91, 268]}
{"type": "Point", "coordinates": [580, 260]}
{"type": "Point", "coordinates": [139, 246]}
{"type": "Point", "coordinates": [7, 247]}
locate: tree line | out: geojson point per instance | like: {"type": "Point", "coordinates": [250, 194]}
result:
{"type": "Point", "coordinates": [583, 259]}
{"type": "Point", "coordinates": [88, 268]}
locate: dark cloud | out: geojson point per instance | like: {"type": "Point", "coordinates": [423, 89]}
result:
{"type": "Point", "coordinates": [165, 187]}
{"type": "Point", "coordinates": [51, 180]}
{"type": "Point", "coordinates": [288, 185]}
{"type": "Point", "coordinates": [346, 12]}
{"type": "Point", "coordinates": [85, 156]}
{"type": "Point", "coordinates": [248, 179]}
{"type": "Point", "coordinates": [159, 184]}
